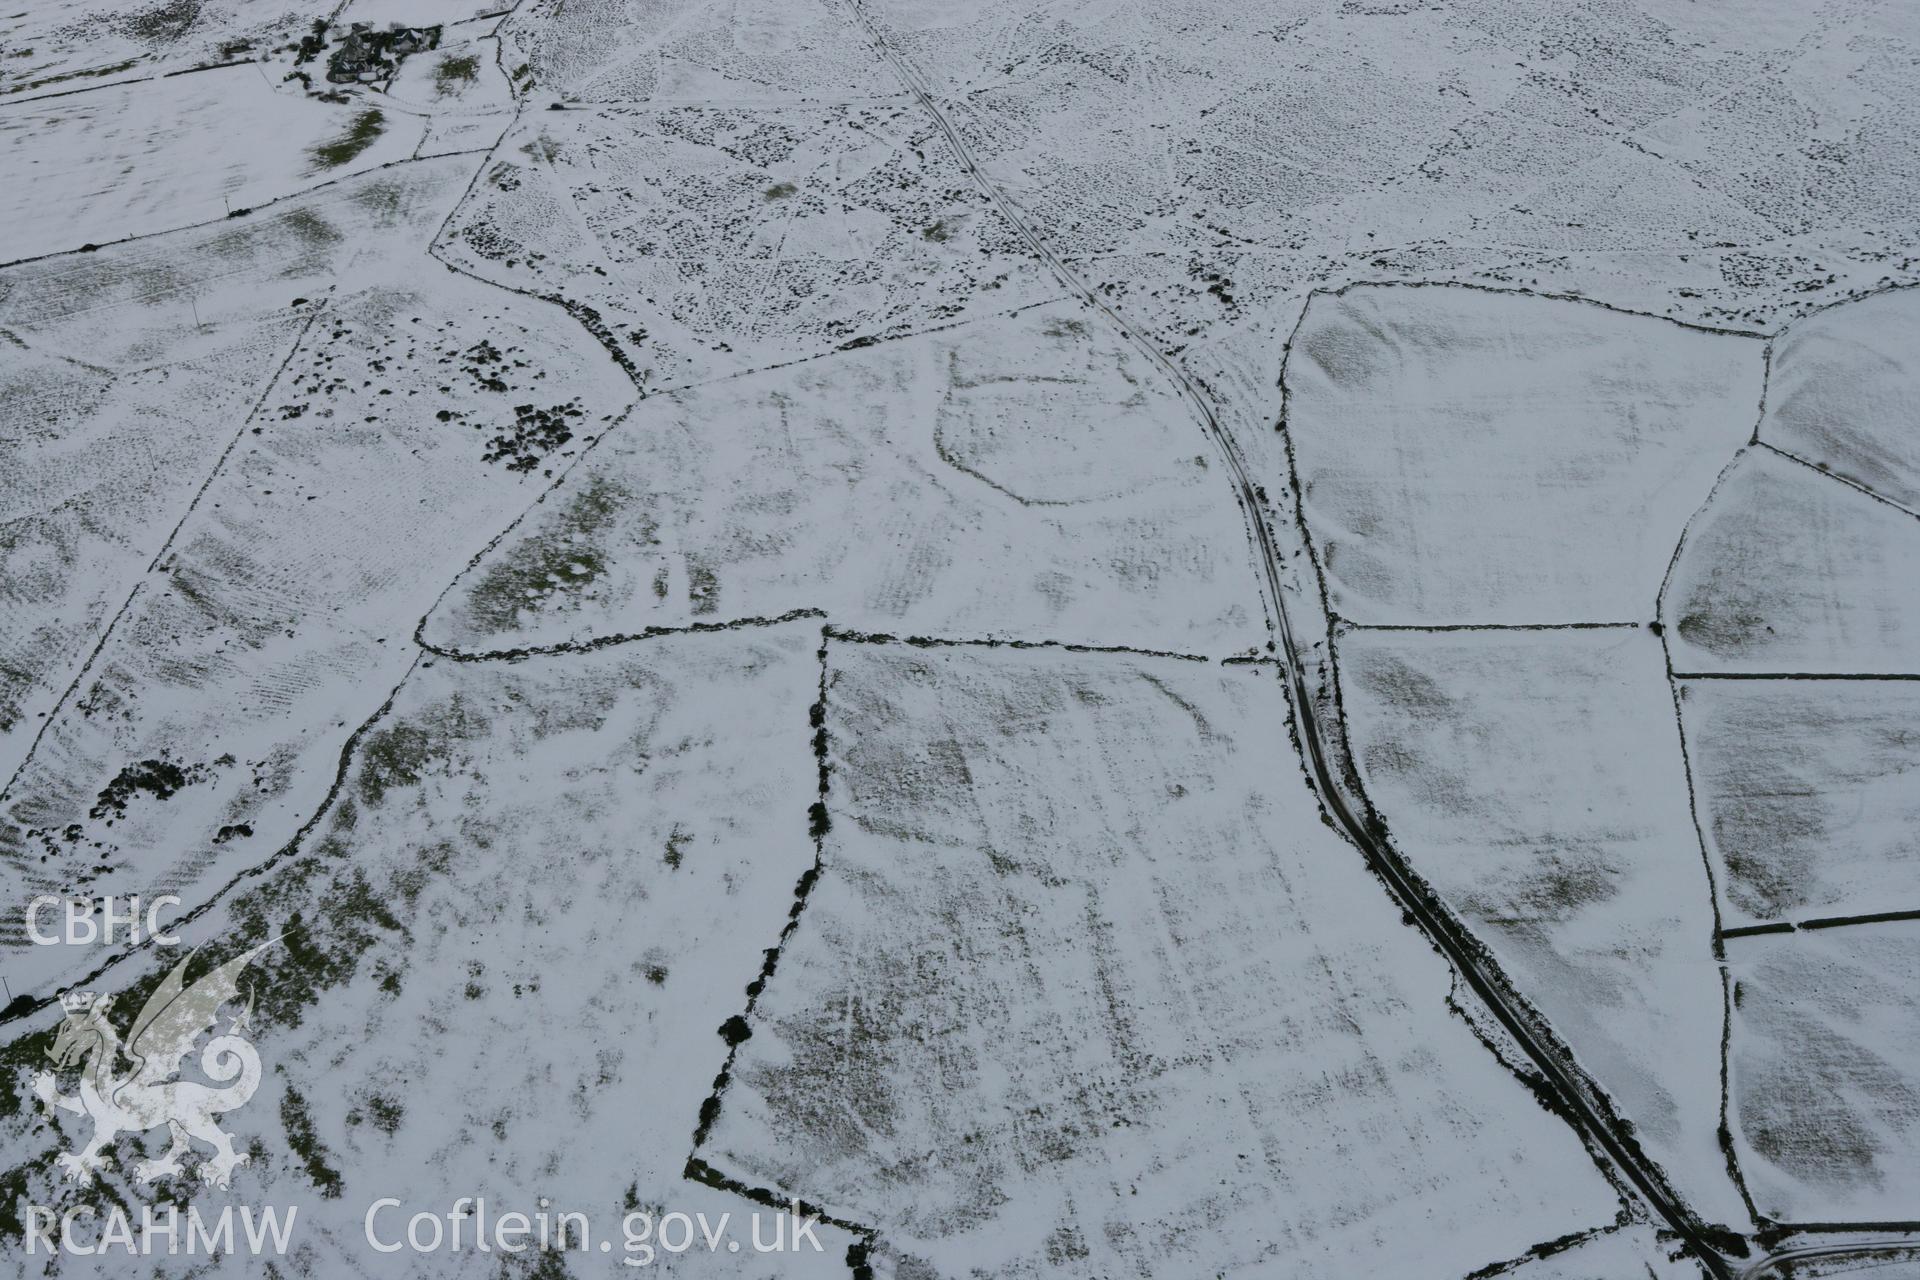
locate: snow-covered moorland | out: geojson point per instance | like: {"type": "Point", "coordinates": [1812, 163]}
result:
{"type": "Point", "coordinates": [1071, 639]}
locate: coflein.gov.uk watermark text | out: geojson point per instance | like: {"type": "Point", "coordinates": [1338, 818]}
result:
{"type": "Point", "coordinates": [469, 1225]}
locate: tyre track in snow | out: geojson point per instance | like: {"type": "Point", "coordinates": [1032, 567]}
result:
{"type": "Point", "coordinates": [1579, 1098]}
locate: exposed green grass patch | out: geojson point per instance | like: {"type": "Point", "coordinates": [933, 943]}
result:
{"type": "Point", "coordinates": [385, 1113]}
{"type": "Point", "coordinates": [63, 77]}
{"type": "Point", "coordinates": [400, 755]}
{"type": "Point", "coordinates": [455, 72]}
{"type": "Point", "coordinates": [310, 227]}
{"type": "Point", "coordinates": [361, 134]}
{"type": "Point", "coordinates": [306, 1144]}
{"type": "Point", "coordinates": [560, 564]}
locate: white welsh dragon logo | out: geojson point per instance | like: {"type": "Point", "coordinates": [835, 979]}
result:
{"type": "Point", "coordinates": [149, 1096]}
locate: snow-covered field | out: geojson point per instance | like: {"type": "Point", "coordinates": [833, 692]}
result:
{"type": "Point", "coordinates": [1071, 940]}
{"type": "Point", "coordinates": [386, 453]}
{"type": "Point", "coordinates": [1100, 638]}
{"type": "Point", "coordinates": [1472, 457]}
{"type": "Point", "coordinates": [1535, 779]}
{"type": "Point", "coordinates": [932, 486]}
{"type": "Point", "coordinates": [1806, 797]}
{"type": "Point", "coordinates": [1825, 1096]}
{"type": "Point", "coordinates": [1789, 571]}
{"type": "Point", "coordinates": [1841, 394]}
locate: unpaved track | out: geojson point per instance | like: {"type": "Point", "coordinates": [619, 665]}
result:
{"type": "Point", "coordinates": [1775, 1266]}
{"type": "Point", "coordinates": [1577, 1096]}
